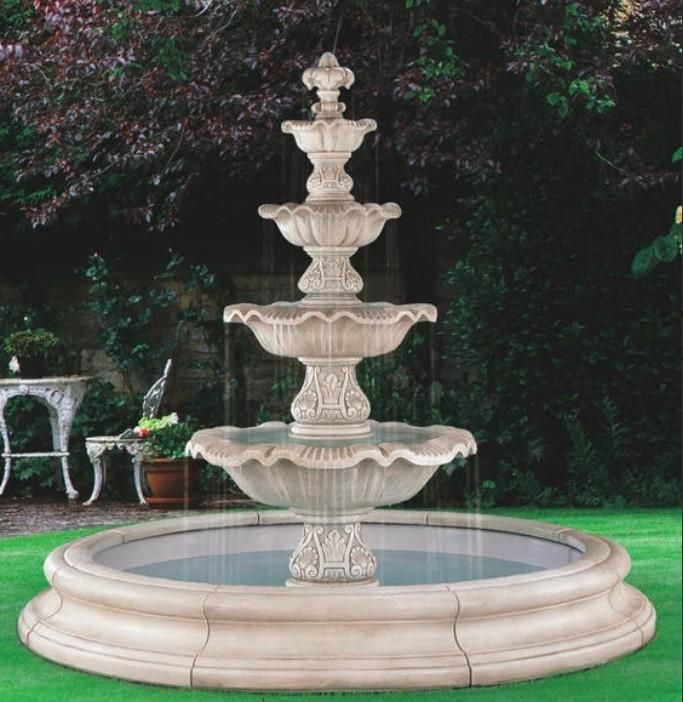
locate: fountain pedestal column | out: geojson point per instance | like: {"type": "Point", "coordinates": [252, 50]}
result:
{"type": "Point", "coordinates": [330, 403]}
{"type": "Point", "coordinates": [330, 278]}
{"type": "Point", "coordinates": [332, 553]}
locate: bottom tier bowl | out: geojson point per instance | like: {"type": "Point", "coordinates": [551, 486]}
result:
{"type": "Point", "coordinates": [463, 600]}
{"type": "Point", "coordinates": [331, 484]}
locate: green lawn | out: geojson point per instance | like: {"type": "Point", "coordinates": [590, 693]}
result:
{"type": "Point", "coordinates": [652, 537]}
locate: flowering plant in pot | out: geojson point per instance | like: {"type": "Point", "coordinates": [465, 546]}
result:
{"type": "Point", "coordinates": [171, 476]}
{"type": "Point", "coordinates": [28, 349]}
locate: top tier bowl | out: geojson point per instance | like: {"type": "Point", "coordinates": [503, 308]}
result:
{"type": "Point", "coordinates": [339, 136]}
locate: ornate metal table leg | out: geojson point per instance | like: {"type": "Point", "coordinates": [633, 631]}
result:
{"type": "Point", "coordinates": [96, 456]}
{"type": "Point", "coordinates": [60, 422]}
{"type": "Point", "coordinates": [6, 473]}
{"type": "Point", "coordinates": [7, 449]}
{"type": "Point", "coordinates": [136, 457]}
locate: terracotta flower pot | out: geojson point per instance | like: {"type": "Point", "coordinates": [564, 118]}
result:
{"type": "Point", "coordinates": [173, 482]}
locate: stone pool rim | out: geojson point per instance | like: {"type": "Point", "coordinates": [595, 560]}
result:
{"type": "Point", "coordinates": [477, 632]}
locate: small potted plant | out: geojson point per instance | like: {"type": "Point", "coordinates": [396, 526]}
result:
{"type": "Point", "coordinates": [28, 349]}
{"type": "Point", "coordinates": [172, 477]}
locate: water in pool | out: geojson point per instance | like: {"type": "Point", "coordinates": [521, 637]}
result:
{"type": "Point", "coordinates": [394, 567]}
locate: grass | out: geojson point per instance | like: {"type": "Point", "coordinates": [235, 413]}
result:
{"type": "Point", "coordinates": [652, 537]}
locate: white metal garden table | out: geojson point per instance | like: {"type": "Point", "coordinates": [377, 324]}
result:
{"type": "Point", "coordinates": [61, 396]}
{"type": "Point", "coordinates": [97, 448]}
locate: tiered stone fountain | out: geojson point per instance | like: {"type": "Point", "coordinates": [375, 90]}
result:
{"type": "Point", "coordinates": [445, 599]}
{"type": "Point", "coordinates": [333, 465]}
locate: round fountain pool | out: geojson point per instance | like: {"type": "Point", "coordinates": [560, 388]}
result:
{"type": "Point", "coordinates": [462, 600]}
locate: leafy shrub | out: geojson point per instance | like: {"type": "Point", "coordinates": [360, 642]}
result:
{"type": "Point", "coordinates": [664, 249]}
{"type": "Point", "coordinates": [21, 333]}
{"type": "Point", "coordinates": [482, 496]}
{"type": "Point", "coordinates": [400, 388]}
{"type": "Point", "coordinates": [169, 441]}
{"type": "Point", "coordinates": [29, 343]}
{"type": "Point", "coordinates": [568, 364]}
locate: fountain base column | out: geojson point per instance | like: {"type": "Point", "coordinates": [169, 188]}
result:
{"type": "Point", "coordinates": [333, 553]}
{"type": "Point", "coordinates": [330, 403]}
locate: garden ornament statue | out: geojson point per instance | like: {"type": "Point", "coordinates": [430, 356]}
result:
{"type": "Point", "coordinates": [333, 593]}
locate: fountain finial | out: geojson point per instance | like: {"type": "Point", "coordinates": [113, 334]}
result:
{"type": "Point", "coordinates": [328, 77]}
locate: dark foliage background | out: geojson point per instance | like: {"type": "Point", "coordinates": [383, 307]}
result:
{"type": "Point", "coordinates": [537, 134]}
